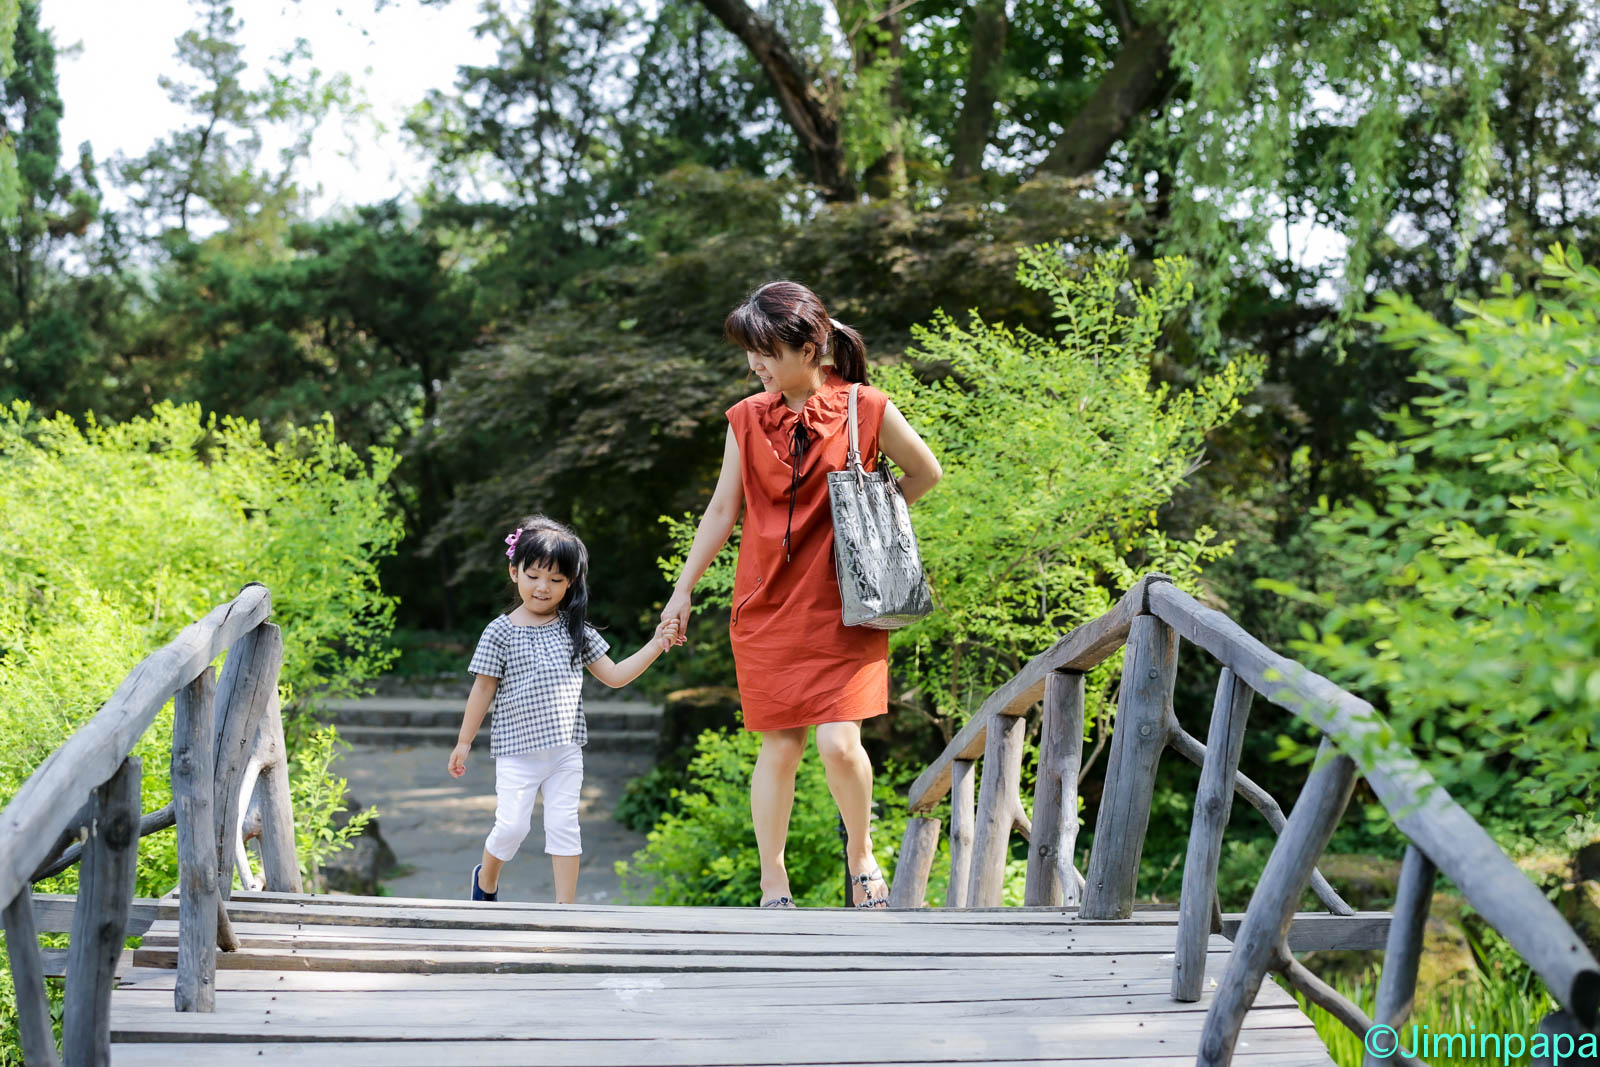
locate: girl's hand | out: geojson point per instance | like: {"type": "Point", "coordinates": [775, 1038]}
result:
{"type": "Point", "coordinates": [458, 760]}
{"type": "Point", "coordinates": [677, 610]}
{"type": "Point", "coordinates": [666, 633]}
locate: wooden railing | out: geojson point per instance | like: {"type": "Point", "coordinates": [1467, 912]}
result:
{"type": "Point", "coordinates": [1149, 620]}
{"type": "Point", "coordinates": [82, 805]}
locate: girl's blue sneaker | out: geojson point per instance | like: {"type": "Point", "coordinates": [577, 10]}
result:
{"type": "Point", "coordinates": [477, 890]}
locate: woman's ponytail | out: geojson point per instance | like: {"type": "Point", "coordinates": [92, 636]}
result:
{"type": "Point", "coordinates": [849, 352]}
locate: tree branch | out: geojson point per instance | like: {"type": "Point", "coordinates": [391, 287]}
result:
{"type": "Point", "coordinates": [1140, 78]}
{"type": "Point", "coordinates": [808, 114]}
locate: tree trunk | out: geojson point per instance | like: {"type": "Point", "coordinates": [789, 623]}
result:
{"type": "Point", "coordinates": [805, 109]}
{"type": "Point", "coordinates": [982, 88]}
{"type": "Point", "coordinates": [886, 178]}
{"type": "Point", "coordinates": [1138, 81]}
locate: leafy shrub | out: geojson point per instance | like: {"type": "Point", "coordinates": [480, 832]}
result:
{"type": "Point", "coordinates": [113, 538]}
{"type": "Point", "coordinates": [1463, 600]}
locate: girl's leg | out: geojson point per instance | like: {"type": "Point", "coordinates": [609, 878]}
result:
{"type": "Point", "coordinates": [489, 876]}
{"type": "Point", "coordinates": [563, 790]}
{"type": "Point", "coordinates": [516, 784]}
{"type": "Point", "coordinates": [771, 800]}
{"type": "Point", "coordinates": [566, 872]}
{"type": "Point", "coordinates": [849, 771]}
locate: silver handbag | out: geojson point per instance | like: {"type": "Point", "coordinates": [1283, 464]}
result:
{"type": "Point", "coordinates": [881, 583]}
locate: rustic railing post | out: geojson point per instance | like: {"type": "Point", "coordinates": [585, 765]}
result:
{"type": "Point", "coordinates": [1398, 982]}
{"type": "Point", "coordinates": [997, 809]}
{"type": "Point", "coordinates": [1271, 910]}
{"type": "Point", "coordinates": [193, 782]}
{"type": "Point", "coordinates": [1052, 878]}
{"type": "Point", "coordinates": [105, 890]}
{"type": "Point", "coordinates": [1213, 802]}
{"type": "Point", "coordinates": [249, 680]}
{"type": "Point", "coordinates": [280, 863]}
{"type": "Point", "coordinates": [962, 818]}
{"type": "Point", "coordinates": [911, 869]}
{"type": "Point", "coordinates": [1149, 672]}
{"type": "Point", "coordinates": [27, 979]}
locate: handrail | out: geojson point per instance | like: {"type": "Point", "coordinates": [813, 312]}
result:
{"type": "Point", "coordinates": [1149, 620]}
{"type": "Point", "coordinates": [89, 788]}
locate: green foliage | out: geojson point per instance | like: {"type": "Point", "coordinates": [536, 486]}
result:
{"type": "Point", "coordinates": [647, 798]}
{"type": "Point", "coordinates": [10, 185]}
{"type": "Point", "coordinates": [116, 537]}
{"type": "Point", "coordinates": [1057, 452]}
{"type": "Point", "coordinates": [1465, 597]}
{"type": "Point", "coordinates": [704, 853]}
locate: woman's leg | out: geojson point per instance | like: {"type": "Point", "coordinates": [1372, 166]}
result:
{"type": "Point", "coordinates": [850, 781]}
{"type": "Point", "coordinates": [771, 800]}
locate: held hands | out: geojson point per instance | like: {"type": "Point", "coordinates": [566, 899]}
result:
{"type": "Point", "coordinates": [677, 610]}
{"type": "Point", "coordinates": [666, 633]}
{"type": "Point", "coordinates": [458, 760]}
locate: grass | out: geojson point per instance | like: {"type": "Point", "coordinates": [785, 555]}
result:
{"type": "Point", "coordinates": [1497, 1002]}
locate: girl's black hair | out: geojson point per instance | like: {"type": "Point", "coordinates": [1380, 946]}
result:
{"type": "Point", "coordinates": [545, 542]}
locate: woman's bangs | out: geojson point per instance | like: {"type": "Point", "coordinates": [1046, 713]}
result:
{"type": "Point", "coordinates": [751, 331]}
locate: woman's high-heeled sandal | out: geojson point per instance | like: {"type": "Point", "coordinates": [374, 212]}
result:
{"type": "Point", "coordinates": [778, 902]}
{"type": "Point", "coordinates": [864, 881]}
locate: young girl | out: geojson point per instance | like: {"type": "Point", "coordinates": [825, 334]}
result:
{"type": "Point", "coordinates": [529, 665]}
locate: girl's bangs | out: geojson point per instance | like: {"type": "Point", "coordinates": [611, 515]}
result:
{"type": "Point", "coordinates": [548, 549]}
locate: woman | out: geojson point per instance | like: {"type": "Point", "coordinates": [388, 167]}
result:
{"type": "Point", "coordinates": [798, 665]}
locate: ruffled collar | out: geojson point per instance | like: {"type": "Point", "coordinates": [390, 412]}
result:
{"type": "Point", "coordinates": [824, 411]}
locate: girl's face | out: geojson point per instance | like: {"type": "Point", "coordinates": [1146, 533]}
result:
{"type": "Point", "coordinates": [791, 371]}
{"type": "Point", "coordinates": [542, 588]}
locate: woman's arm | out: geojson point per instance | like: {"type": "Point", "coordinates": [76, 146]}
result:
{"type": "Point", "coordinates": [478, 703]}
{"type": "Point", "coordinates": [617, 675]}
{"type": "Point", "coordinates": [910, 453]}
{"type": "Point", "coordinates": [720, 517]}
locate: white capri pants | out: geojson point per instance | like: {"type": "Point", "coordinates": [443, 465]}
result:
{"type": "Point", "coordinates": [517, 781]}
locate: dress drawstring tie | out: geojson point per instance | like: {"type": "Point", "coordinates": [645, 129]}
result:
{"type": "Point", "coordinates": [799, 441]}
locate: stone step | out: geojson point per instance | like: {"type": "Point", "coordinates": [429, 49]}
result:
{"type": "Point", "coordinates": [412, 713]}
{"type": "Point", "coordinates": [636, 741]}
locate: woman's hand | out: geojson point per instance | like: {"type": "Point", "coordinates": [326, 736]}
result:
{"type": "Point", "coordinates": [677, 611]}
{"type": "Point", "coordinates": [458, 760]}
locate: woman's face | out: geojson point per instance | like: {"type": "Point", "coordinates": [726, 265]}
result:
{"type": "Point", "coordinates": [791, 371]}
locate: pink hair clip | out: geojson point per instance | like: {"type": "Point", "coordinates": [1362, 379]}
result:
{"type": "Point", "coordinates": [511, 539]}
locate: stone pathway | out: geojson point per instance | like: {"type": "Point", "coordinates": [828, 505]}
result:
{"type": "Point", "coordinates": [436, 824]}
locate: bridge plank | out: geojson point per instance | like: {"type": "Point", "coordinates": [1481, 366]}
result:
{"type": "Point", "coordinates": [560, 1054]}
{"type": "Point", "coordinates": [1312, 931]}
{"type": "Point", "coordinates": [849, 1036]}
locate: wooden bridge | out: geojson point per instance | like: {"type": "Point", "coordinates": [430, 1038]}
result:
{"type": "Point", "coordinates": [1079, 976]}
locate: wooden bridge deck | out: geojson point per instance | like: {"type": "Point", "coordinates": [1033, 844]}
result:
{"type": "Point", "coordinates": [377, 980]}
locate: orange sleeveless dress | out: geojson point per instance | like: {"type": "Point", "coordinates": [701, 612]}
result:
{"type": "Point", "coordinates": [797, 663]}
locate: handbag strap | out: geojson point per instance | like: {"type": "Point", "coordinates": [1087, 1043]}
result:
{"type": "Point", "coordinates": [852, 459]}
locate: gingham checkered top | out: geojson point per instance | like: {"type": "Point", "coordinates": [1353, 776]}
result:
{"type": "Point", "coordinates": [539, 703]}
